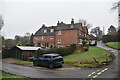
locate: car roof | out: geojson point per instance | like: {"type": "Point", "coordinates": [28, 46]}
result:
{"type": "Point", "coordinates": [51, 54]}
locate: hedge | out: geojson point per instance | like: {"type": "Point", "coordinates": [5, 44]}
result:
{"type": "Point", "coordinates": [111, 38]}
{"type": "Point", "coordinates": [61, 51]}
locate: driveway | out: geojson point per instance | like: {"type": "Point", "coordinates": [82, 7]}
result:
{"type": "Point", "coordinates": [110, 71]}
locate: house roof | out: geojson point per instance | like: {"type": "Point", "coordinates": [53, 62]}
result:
{"type": "Point", "coordinates": [40, 32]}
{"type": "Point", "coordinates": [61, 26]}
{"type": "Point", "coordinates": [28, 48]}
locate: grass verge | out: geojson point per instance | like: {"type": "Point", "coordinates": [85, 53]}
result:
{"type": "Point", "coordinates": [7, 76]}
{"type": "Point", "coordinates": [115, 45]}
{"type": "Point", "coordinates": [85, 59]}
{"type": "Point", "coordinates": [23, 62]}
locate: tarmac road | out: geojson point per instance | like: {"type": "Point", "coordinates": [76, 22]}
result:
{"type": "Point", "coordinates": [110, 71]}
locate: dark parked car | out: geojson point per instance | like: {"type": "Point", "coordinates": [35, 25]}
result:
{"type": "Point", "coordinates": [49, 60]}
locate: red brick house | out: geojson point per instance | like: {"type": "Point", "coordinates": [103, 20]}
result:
{"type": "Point", "coordinates": [62, 35]}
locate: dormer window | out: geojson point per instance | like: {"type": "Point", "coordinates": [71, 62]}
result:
{"type": "Point", "coordinates": [59, 32]}
{"type": "Point", "coordinates": [51, 37]}
{"type": "Point", "coordinates": [59, 41]}
{"type": "Point", "coordinates": [52, 30]}
{"type": "Point", "coordinates": [71, 26]}
{"type": "Point", "coordinates": [42, 37]}
{"type": "Point", "coordinates": [45, 31]}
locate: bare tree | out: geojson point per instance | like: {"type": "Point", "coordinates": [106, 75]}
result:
{"type": "Point", "coordinates": [97, 32]}
{"type": "Point", "coordinates": [85, 23]}
{"type": "Point", "coordinates": [115, 5]}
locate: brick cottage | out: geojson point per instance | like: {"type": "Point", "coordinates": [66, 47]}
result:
{"type": "Point", "coordinates": [62, 35]}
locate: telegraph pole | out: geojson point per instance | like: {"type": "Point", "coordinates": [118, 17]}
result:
{"type": "Point", "coordinates": [103, 31]}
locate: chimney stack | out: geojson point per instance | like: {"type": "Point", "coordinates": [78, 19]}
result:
{"type": "Point", "coordinates": [43, 25]}
{"type": "Point", "coordinates": [58, 23]}
{"type": "Point", "coordinates": [72, 22]}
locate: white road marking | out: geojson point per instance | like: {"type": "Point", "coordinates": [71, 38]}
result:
{"type": "Point", "coordinates": [99, 73]}
{"type": "Point", "coordinates": [95, 76]}
{"type": "Point", "coordinates": [102, 70]}
{"type": "Point", "coordinates": [89, 75]}
{"type": "Point", "coordinates": [106, 69]}
{"type": "Point", "coordinates": [93, 72]}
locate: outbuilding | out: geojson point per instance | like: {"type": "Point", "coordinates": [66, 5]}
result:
{"type": "Point", "coordinates": [23, 52]}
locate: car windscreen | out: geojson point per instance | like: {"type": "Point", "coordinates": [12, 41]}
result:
{"type": "Point", "coordinates": [55, 56]}
{"type": "Point", "coordinates": [47, 57]}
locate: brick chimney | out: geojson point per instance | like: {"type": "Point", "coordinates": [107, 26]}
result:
{"type": "Point", "coordinates": [43, 25]}
{"type": "Point", "coordinates": [72, 21]}
{"type": "Point", "coordinates": [58, 23]}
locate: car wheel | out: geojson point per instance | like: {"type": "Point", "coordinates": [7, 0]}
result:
{"type": "Point", "coordinates": [51, 66]}
{"type": "Point", "coordinates": [35, 63]}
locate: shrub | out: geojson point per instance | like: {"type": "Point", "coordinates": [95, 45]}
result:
{"type": "Point", "coordinates": [61, 51]}
{"type": "Point", "coordinates": [6, 53]}
{"type": "Point", "coordinates": [39, 52]}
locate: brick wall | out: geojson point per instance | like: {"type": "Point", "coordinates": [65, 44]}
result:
{"type": "Point", "coordinates": [67, 37]}
{"type": "Point", "coordinates": [43, 39]}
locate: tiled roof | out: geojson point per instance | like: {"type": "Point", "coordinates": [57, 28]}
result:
{"type": "Point", "coordinates": [40, 32]}
{"type": "Point", "coordinates": [61, 26]}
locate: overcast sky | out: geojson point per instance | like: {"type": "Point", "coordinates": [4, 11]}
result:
{"type": "Point", "coordinates": [21, 16]}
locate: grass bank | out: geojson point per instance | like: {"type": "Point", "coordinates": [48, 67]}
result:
{"type": "Point", "coordinates": [23, 62]}
{"type": "Point", "coordinates": [115, 45]}
{"type": "Point", "coordinates": [7, 76]}
{"type": "Point", "coordinates": [88, 58]}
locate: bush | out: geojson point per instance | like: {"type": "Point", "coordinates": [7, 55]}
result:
{"type": "Point", "coordinates": [39, 53]}
{"type": "Point", "coordinates": [6, 53]}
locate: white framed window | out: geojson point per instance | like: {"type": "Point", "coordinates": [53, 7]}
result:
{"type": "Point", "coordinates": [51, 30]}
{"type": "Point", "coordinates": [42, 37]}
{"type": "Point", "coordinates": [42, 44]}
{"type": "Point", "coordinates": [71, 26]}
{"type": "Point", "coordinates": [59, 32]}
{"type": "Point", "coordinates": [45, 31]}
{"type": "Point", "coordinates": [80, 41]}
{"type": "Point", "coordinates": [79, 33]}
{"type": "Point", "coordinates": [51, 37]}
{"type": "Point", "coordinates": [59, 41]}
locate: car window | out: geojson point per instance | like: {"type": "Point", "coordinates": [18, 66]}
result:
{"type": "Point", "coordinates": [55, 56]}
{"type": "Point", "coordinates": [47, 57]}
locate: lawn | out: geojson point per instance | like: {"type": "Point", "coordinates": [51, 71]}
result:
{"type": "Point", "coordinates": [23, 62]}
{"type": "Point", "coordinates": [7, 76]}
{"type": "Point", "coordinates": [115, 45]}
{"type": "Point", "coordinates": [85, 59]}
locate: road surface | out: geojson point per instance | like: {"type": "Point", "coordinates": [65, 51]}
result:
{"type": "Point", "coordinates": [110, 71]}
